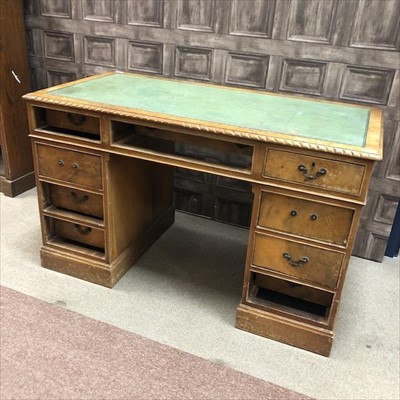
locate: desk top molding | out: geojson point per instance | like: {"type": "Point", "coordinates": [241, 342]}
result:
{"type": "Point", "coordinates": [371, 149]}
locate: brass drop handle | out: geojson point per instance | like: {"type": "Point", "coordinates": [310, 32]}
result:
{"type": "Point", "coordinates": [320, 172]}
{"type": "Point", "coordinates": [298, 263]}
{"type": "Point", "coordinates": [78, 199]}
{"type": "Point", "coordinates": [76, 119]}
{"type": "Point", "coordinates": [60, 163]}
{"type": "Point", "coordinates": [75, 165]}
{"type": "Point", "coordinates": [83, 230]}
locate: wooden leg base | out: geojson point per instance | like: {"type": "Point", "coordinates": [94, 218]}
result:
{"type": "Point", "coordinates": [12, 188]}
{"type": "Point", "coordinates": [263, 323]}
{"type": "Point", "coordinates": [97, 271]}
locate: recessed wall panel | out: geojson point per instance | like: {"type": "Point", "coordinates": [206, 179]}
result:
{"type": "Point", "coordinates": [145, 56]}
{"type": "Point", "coordinates": [145, 12]}
{"type": "Point", "coordinates": [193, 63]}
{"type": "Point", "coordinates": [301, 76]}
{"type": "Point", "coordinates": [58, 77]}
{"type": "Point", "coordinates": [196, 15]}
{"type": "Point", "coordinates": [367, 33]}
{"type": "Point", "coordinates": [99, 10]}
{"type": "Point", "coordinates": [99, 51]}
{"type": "Point", "coordinates": [246, 70]}
{"type": "Point", "coordinates": [312, 20]}
{"type": "Point", "coordinates": [54, 8]}
{"type": "Point", "coordinates": [366, 84]}
{"type": "Point", "coordinates": [59, 46]}
{"type": "Point", "coordinates": [253, 18]}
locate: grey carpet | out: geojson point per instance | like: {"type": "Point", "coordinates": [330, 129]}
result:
{"type": "Point", "coordinates": [51, 353]}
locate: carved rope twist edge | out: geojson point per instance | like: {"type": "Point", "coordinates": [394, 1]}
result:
{"type": "Point", "coordinates": [205, 128]}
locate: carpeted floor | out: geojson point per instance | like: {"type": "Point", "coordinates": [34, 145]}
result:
{"type": "Point", "coordinates": [51, 353]}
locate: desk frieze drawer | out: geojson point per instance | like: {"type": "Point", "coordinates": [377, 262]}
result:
{"type": "Point", "coordinates": [304, 262]}
{"type": "Point", "coordinates": [79, 233]}
{"type": "Point", "coordinates": [310, 219]}
{"type": "Point", "coordinates": [79, 201]}
{"type": "Point", "coordinates": [69, 166]}
{"type": "Point", "coordinates": [69, 123]}
{"type": "Point", "coordinates": [314, 171]}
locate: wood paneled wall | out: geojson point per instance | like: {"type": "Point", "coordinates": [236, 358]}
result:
{"type": "Point", "coordinates": [345, 50]}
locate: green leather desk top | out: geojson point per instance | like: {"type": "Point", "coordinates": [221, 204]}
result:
{"type": "Point", "coordinates": [289, 115]}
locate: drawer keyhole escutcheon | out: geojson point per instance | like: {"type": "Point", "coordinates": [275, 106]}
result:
{"type": "Point", "coordinates": [83, 230]}
{"type": "Point", "coordinates": [298, 263]}
{"type": "Point", "coordinates": [75, 165]}
{"type": "Point", "coordinates": [321, 172]}
{"type": "Point", "coordinates": [76, 119]}
{"type": "Point", "coordinates": [314, 217]}
{"type": "Point", "coordinates": [60, 163]}
{"type": "Point", "coordinates": [79, 199]}
{"type": "Point", "coordinates": [293, 213]}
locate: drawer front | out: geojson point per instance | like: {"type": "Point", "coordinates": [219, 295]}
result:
{"type": "Point", "coordinates": [73, 121]}
{"type": "Point", "coordinates": [77, 200]}
{"type": "Point", "coordinates": [314, 171]}
{"type": "Point", "coordinates": [70, 166]}
{"type": "Point", "coordinates": [79, 233]}
{"type": "Point", "coordinates": [305, 218]}
{"type": "Point", "coordinates": [297, 260]}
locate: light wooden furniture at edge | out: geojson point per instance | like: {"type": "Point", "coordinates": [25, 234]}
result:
{"type": "Point", "coordinates": [104, 174]}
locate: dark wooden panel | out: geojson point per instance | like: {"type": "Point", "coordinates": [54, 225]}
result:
{"type": "Point", "coordinates": [376, 25]}
{"type": "Point", "coordinates": [386, 209]}
{"type": "Point", "coordinates": [55, 8]}
{"type": "Point", "coordinates": [58, 77]}
{"type": "Point", "coordinates": [196, 15]}
{"type": "Point", "coordinates": [312, 20]}
{"type": "Point", "coordinates": [254, 20]}
{"type": "Point", "coordinates": [193, 63]}
{"type": "Point", "coordinates": [145, 56]}
{"type": "Point", "coordinates": [393, 159]}
{"type": "Point", "coordinates": [368, 85]}
{"type": "Point", "coordinates": [29, 42]}
{"type": "Point", "coordinates": [246, 69]}
{"type": "Point", "coordinates": [301, 76]}
{"type": "Point", "coordinates": [145, 12]}
{"type": "Point", "coordinates": [99, 51]}
{"type": "Point", "coordinates": [59, 46]}
{"type": "Point", "coordinates": [99, 10]}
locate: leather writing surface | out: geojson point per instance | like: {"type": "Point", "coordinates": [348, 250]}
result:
{"type": "Point", "coordinates": [333, 122]}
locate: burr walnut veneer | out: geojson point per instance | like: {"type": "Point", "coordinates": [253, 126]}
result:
{"type": "Point", "coordinates": [104, 150]}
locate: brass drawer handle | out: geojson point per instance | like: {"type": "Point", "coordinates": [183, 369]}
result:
{"type": "Point", "coordinates": [78, 199]}
{"type": "Point", "coordinates": [75, 165]}
{"type": "Point", "coordinates": [60, 163]}
{"type": "Point", "coordinates": [320, 172]}
{"type": "Point", "coordinates": [76, 119]}
{"type": "Point", "coordinates": [298, 263]}
{"type": "Point", "coordinates": [83, 230]}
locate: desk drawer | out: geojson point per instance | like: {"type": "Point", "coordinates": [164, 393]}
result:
{"type": "Point", "coordinates": [79, 233]}
{"type": "Point", "coordinates": [306, 218]}
{"type": "Point", "coordinates": [297, 260]}
{"type": "Point", "coordinates": [69, 166]}
{"type": "Point", "coordinates": [73, 122]}
{"type": "Point", "coordinates": [314, 171]}
{"type": "Point", "coordinates": [77, 200]}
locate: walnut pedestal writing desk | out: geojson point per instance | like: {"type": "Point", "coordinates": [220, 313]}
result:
{"type": "Point", "coordinates": [104, 150]}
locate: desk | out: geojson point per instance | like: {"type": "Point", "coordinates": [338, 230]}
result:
{"type": "Point", "coordinates": [104, 150]}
